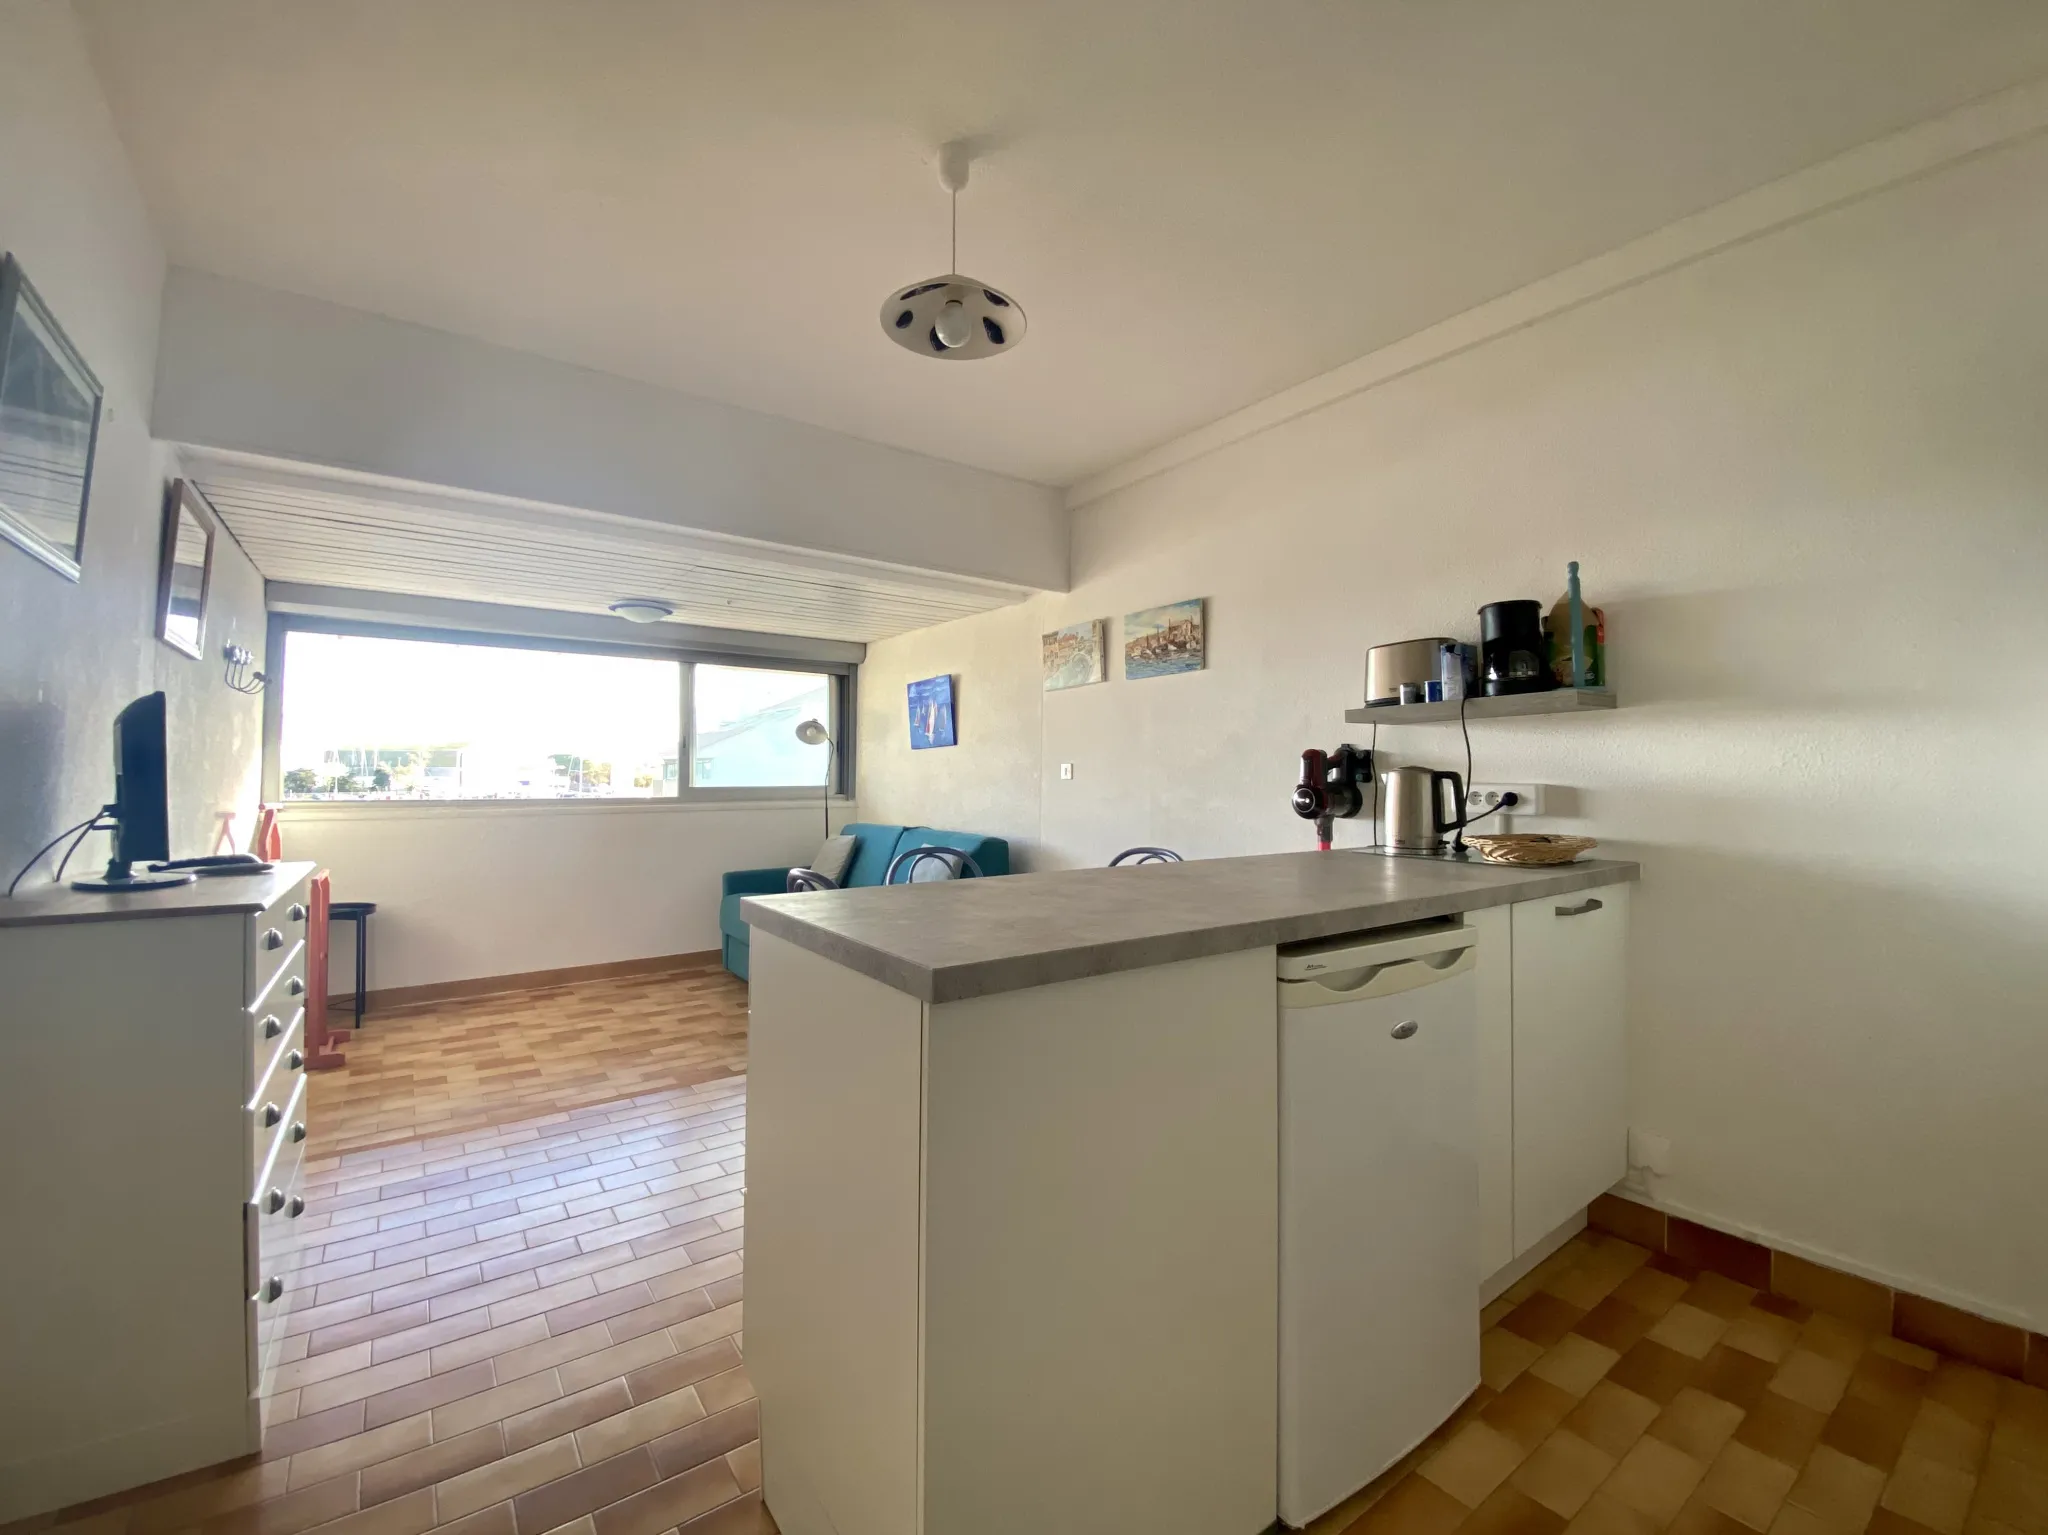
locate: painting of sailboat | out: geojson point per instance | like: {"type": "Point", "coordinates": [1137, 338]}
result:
{"type": "Point", "coordinates": [931, 713]}
{"type": "Point", "coordinates": [1161, 641]}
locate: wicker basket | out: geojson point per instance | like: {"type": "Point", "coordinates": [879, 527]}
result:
{"type": "Point", "coordinates": [1530, 847]}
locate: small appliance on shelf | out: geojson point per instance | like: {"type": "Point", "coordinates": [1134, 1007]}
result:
{"type": "Point", "coordinates": [1412, 664]}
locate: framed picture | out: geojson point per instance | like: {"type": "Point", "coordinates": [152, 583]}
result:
{"type": "Point", "coordinates": [931, 713]}
{"type": "Point", "coordinates": [49, 426]}
{"type": "Point", "coordinates": [185, 569]}
{"type": "Point", "coordinates": [1077, 655]}
{"type": "Point", "coordinates": [1161, 641]}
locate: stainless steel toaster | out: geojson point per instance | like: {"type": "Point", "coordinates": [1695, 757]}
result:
{"type": "Point", "coordinates": [1410, 661]}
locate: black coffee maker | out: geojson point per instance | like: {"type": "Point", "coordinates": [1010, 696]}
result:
{"type": "Point", "coordinates": [1514, 656]}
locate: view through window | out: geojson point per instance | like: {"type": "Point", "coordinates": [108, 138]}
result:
{"type": "Point", "coordinates": [745, 727]}
{"type": "Point", "coordinates": [373, 718]}
{"type": "Point", "coordinates": [369, 717]}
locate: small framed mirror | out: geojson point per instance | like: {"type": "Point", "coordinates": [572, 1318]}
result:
{"type": "Point", "coordinates": [185, 571]}
{"type": "Point", "coordinates": [49, 426]}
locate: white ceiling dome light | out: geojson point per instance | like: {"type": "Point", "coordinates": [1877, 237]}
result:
{"type": "Point", "coordinates": [643, 610]}
{"type": "Point", "coordinates": [953, 316]}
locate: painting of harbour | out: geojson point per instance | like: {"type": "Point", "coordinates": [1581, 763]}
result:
{"type": "Point", "coordinates": [1076, 655]}
{"type": "Point", "coordinates": [1161, 641]}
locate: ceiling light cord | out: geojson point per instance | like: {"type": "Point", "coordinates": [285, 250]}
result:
{"type": "Point", "coordinates": [956, 234]}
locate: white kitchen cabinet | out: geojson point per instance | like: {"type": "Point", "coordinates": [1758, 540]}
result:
{"type": "Point", "coordinates": [1012, 1259]}
{"type": "Point", "coordinates": [1570, 1055]}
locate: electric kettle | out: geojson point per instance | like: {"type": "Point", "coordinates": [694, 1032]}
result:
{"type": "Point", "coordinates": [1415, 821]}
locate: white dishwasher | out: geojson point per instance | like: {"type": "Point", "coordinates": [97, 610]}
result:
{"type": "Point", "coordinates": [1379, 1203]}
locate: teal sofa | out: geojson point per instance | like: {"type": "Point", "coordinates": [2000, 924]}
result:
{"type": "Point", "coordinates": [876, 847]}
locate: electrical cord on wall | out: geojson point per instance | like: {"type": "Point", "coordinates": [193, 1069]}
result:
{"type": "Point", "coordinates": [84, 829]}
{"type": "Point", "coordinates": [1458, 838]}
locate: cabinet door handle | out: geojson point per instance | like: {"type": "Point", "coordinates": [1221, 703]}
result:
{"type": "Point", "coordinates": [298, 1130]}
{"type": "Point", "coordinates": [271, 1115]}
{"type": "Point", "coordinates": [273, 1201]}
{"type": "Point", "coordinates": [296, 912]}
{"type": "Point", "coordinates": [273, 1288]}
{"type": "Point", "coordinates": [294, 1061]}
{"type": "Point", "coordinates": [295, 986]}
{"type": "Point", "coordinates": [1580, 910]}
{"type": "Point", "coordinates": [296, 1207]}
{"type": "Point", "coordinates": [271, 1027]}
{"type": "Point", "coordinates": [272, 938]}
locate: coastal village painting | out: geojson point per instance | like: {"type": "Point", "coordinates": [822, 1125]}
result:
{"type": "Point", "coordinates": [1076, 655]}
{"type": "Point", "coordinates": [1161, 641]}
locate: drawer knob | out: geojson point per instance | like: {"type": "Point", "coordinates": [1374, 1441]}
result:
{"type": "Point", "coordinates": [273, 1201]}
{"type": "Point", "coordinates": [296, 912]}
{"type": "Point", "coordinates": [295, 1207]}
{"type": "Point", "coordinates": [294, 1060]}
{"type": "Point", "coordinates": [273, 1288]}
{"type": "Point", "coordinates": [295, 986]}
{"type": "Point", "coordinates": [271, 1027]}
{"type": "Point", "coordinates": [272, 938]}
{"type": "Point", "coordinates": [1406, 1029]}
{"type": "Point", "coordinates": [271, 1115]}
{"type": "Point", "coordinates": [298, 1130]}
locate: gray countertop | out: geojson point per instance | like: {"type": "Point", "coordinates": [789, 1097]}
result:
{"type": "Point", "coordinates": [953, 939]}
{"type": "Point", "coordinates": [206, 897]}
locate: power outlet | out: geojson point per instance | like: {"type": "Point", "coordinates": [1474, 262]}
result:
{"type": "Point", "coordinates": [1481, 797]}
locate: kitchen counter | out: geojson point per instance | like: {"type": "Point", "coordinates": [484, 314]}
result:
{"type": "Point", "coordinates": [950, 940]}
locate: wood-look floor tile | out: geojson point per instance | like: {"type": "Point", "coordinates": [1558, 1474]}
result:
{"type": "Point", "coordinates": [476, 1491]}
{"type": "Point", "coordinates": [595, 1486]}
{"type": "Point", "coordinates": [719, 1434]}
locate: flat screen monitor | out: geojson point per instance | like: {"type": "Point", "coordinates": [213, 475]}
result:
{"type": "Point", "coordinates": [141, 806]}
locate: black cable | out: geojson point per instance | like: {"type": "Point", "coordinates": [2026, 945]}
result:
{"type": "Point", "coordinates": [1373, 751]}
{"type": "Point", "coordinates": [1458, 838]}
{"type": "Point", "coordinates": [77, 842]}
{"type": "Point", "coordinates": [86, 825]}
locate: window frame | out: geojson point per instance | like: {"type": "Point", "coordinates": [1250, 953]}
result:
{"type": "Point", "coordinates": [841, 678]}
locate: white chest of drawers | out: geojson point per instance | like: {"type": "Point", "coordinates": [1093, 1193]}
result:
{"type": "Point", "coordinates": [152, 1127]}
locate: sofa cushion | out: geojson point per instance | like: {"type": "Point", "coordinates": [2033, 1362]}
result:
{"type": "Point", "coordinates": [871, 855]}
{"type": "Point", "coordinates": [833, 858]}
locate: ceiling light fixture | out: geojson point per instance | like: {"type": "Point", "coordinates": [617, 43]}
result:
{"type": "Point", "coordinates": [953, 316]}
{"type": "Point", "coordinates": [643, 610]}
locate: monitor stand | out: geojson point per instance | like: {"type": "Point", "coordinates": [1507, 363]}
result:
{"type": "Point", "coordinates": [122, 875]}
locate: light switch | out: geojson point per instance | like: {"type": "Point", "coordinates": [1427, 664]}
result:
{"type": "Point", "coordinates": [1066, 770]}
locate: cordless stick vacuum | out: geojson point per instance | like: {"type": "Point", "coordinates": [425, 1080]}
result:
{"type": "Point", "coordinates": [1329, 788]}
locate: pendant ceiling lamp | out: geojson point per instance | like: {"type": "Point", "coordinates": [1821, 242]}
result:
{"type": "Point", "coordinates": [953, 316]}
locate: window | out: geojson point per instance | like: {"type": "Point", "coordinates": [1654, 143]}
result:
{"type": "Point", "coordinates": [391, 716]}
{"type": "Point", "coordinates": [744, 723]}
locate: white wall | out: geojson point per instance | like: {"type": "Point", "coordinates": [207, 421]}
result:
{"type": "Point", "coordinates": [256, 370]}
{"type": "Point", "coordinates": [1808, 480]}
{"type": "Point", "coordinates": [73, 655]}
{"type": "Point", "coordinates": [502, 889]}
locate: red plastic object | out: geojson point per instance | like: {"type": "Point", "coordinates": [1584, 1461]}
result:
{"type": "Point", "coordinates": [323, 1045]}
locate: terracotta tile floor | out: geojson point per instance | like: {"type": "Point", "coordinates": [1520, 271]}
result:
{"type": "Point", "coordinates": [431, 1071]}
{"type": "Point", "coordinates": [1626, 1395]}
{"type": "Point", "coordinates": [524, 1316]}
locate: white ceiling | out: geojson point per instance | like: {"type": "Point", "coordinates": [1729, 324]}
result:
{"type": "Point", "coordinates": [330, 531]}
{"type": "Point", "coordinates": [1199, 202]}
